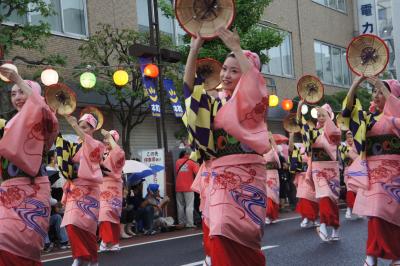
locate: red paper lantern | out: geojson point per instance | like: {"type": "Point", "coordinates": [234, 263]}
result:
{"type": "Point", "coordinates": [151, 71]}
{"type": "Point", "coordinates": [287, 105]}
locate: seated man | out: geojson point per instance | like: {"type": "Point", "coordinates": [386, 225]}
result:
{"type": "Point", "coordinates": [144, 211]}
{"type": "Point", "coordinates": [55, 224]}
{"type": "Point", "coordinates": [159, 204]}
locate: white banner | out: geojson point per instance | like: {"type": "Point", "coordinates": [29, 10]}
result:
{"type": "Point", "coordinates": [155, 159]}
{"type": "Point", "coordinates": [366, 10]}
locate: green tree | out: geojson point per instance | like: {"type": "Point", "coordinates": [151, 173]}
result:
{"type": "Point", "coordinates": [26, 36]}
{"type": "Point", "coordinates": [109, 47]}
{"type": "Point", "coordinates": [254, 36]}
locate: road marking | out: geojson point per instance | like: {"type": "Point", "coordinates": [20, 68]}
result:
{"type": "Point", "coordinates": [200, 262]}
{"type": "Point", "coordinates": [127, 246]}
{"type": "Point", "coordinates": [151, 242]}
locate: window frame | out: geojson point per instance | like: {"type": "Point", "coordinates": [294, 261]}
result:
{"type": "Point", "coordinates": [326, 4]}
{"type": "Point", "coordinates": [342, 61]}
{"type": "Point", "coordinates": [292, 75]}
{"type": "Point", "coordinates": [63, 33]}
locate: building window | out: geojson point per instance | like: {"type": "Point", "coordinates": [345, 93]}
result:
{"type": "Point", "coordinates": [281, 59]}
{"type": "Point", "coordinates": [339, 5]}
{"type": "Point", "coordinates": [331, 65]}
{"type": "Point", "coordinates": [70, 18]}
{"type": "Point", "coordinates": [168, 26]}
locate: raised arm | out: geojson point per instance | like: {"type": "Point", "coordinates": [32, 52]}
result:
{"type": "Point", "coordinates": [291, 142]}
{"type": "Point", "coordinates": [110, 139]}
{"type": "Point", "coordinates": [353, 89]}
{"type": "Point", "coordinates": [14, 77]}
{"type": "Point", "coordinates": [232, 41]}
{"type": "Point", "coordinates": [190, 68]}
{"type": "Point", "coordinates": [74, 124]}
{"type": "Point", "coordinates": [298, 113]}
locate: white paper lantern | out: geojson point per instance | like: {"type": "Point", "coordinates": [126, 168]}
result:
{"type": "Point", "coordinates": [304, 109]}
{"type": "Point", "coordinates": [314, 113]}
{"type": "Point", "coordinates": [9, 66]}
{"type": "Point", "coordinates": [49, 77]}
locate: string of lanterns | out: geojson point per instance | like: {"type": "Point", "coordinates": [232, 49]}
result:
{"type": "Point", "coordinates": [87, 79]}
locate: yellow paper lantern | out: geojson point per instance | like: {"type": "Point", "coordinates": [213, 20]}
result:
{"type": "Point", "coordinates": [273, 100]}
{"type": "Point", "coordinates": [49, 77]}
{"type": "Point", "coordinates": [9, 66]}
{"type": "Point", "coordinates": [87, 80]}
{"type": "Point", "coordinates": [120, 77]}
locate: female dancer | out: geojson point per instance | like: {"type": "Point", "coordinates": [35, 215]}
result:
{"type": "Point", "coordinates": [375, 173]}
{"type": "Point", "coordinates": [111, 192]}
{"type": "Point", "coordinates": [272, 181]}
{"type": "Point", "coordinates": [230, 134]}
{"type": "Point", "coordinates": [307, 206]}
{"type": "Point", "coordinates": [323, 167]}
{"type": "Point", "coordinates": [348, 154]}
{"type": "Point", "coordinates": [82, 190]}
{"type": "Point", "coordinates": [25, 187]}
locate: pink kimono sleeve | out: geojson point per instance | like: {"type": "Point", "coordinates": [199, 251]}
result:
{"type": "Point", "coordinates": [90, 158]}
{"type": "Point", "coordinates": [115, 161]}
{"type": "Point", "coordinates": [392, 110]}
{"type": "Point", "coordinates": [31, 132]}
{"type": "Point", "coordinates": [243, 115]}
{"type": "Point", "coordinates": [332, 132]}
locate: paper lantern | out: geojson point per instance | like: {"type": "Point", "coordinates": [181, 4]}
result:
{"type": "Point", "coordinates": [9, 66]}
{"type": "Point", "coordinates": [120, 77]}
{"type": "Point", "coordinates": [88, 80]}
{"type": "Point", "coordinates": [314, 113]}
{"type": "Point", "coordinates": [304, 109]}
{"type": "Point", "coordinates": [49, 77]}
{"type": "Point", "coordinates": [287, 105]}
{"type": "Point", "coordinates": [151, 71]}
{"type": "Point", "coordinates": [273, 100]}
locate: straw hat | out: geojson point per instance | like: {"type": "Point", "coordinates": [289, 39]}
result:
{"type": "Point", "coordinates": [310, 89]}
{"type": "Point", "coordinates": [209, 69]}
{"type": "Point", "coordinates": [204, 16]}
{"type": "Point", "coordinates": [96, 113]}
{"type": "Point", "coordinates": [60, 98]}
{"type": "Point", "coordinates": [290, 123]}
{"type": "Point", "coordinates": [367, 55]}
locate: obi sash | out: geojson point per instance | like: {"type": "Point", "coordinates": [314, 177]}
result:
{"type": "Point", "coordinates": [319, 154]}
{"type": "Point", "coordinates": [383, 145]}
{"type": "Point", "coordinates": [228, 145]}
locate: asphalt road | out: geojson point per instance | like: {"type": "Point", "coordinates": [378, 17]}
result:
{"type": "Point", "coordinates": [284, 243]}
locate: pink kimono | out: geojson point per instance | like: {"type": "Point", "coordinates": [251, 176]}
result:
{"type": "Point", "coordinates": [272, 183]}
{"type": "Point", "coordinates": [25, 195]}
{"type": "Point", "coordinates": [232, 187]}
{"type": "Point", "coordinates": [305, 185]}
{"type": "Point", "coordinates": [325, 174]}
{"type": "Point", "coordinates": [352, 154]}
{"type": "Point", "coordinates": [82, 195]}
{"type": "Point", "coordinates": [377, 179]}
{"type": "Point", "coordinates": [111, 188]}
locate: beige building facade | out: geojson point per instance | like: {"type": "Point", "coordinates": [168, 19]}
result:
{"type": "Point", "coordinates": [317, 34]}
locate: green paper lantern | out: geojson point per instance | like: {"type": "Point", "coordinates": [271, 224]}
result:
{"type": "Point", "coordinates": [88, 80]}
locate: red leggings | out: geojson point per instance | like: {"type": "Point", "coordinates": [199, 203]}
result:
{"type": "Point", "coordinates": [383, 239]}
{"type": "Point", "coordinates": [226, 252]}
{"type": "Point", "coordinates": [83, 243]}
{"type": "Point", "coordinates": [109, 232]}
{"type": "Point", "coordinates": [328, 212]}
{"type": "Point", "coordinates": [272, 209]}
{"type": "Point", "coordinates": [350, 198]}
{"type": "Point", "coordinates": [307, 209]}
{"type": "Point", "coordinates": [9, 259]}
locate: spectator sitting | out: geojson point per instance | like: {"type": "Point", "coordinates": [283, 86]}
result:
{"type": "Point", "coordinates": [127, 214]}
{"type": "Point", "coordinates": [186, 171]}
{"type": "Point", "coordinates": [159, 204]}
{"type": "Point", "coordinates": [144, 211]}
{"type": "Point", "coordinates": [55, 223]}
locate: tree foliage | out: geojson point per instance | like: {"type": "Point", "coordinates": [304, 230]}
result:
{"type": "Point", "coordinates": [253, 36]}
{"type": "Point", "coordinates": [106, 49]}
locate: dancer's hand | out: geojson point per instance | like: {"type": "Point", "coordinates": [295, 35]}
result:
{"type": "Point", "coordinates": [71, 120]}
{"type": "Point", "coordinates": [11, 75]}
{"type": "Point", "coordinates": [196, 43]}
{"type": "Point", "coordinates": [230, 39]}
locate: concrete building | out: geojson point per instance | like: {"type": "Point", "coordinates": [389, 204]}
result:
{"type": "Point", "coordinates": [317, 33]}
